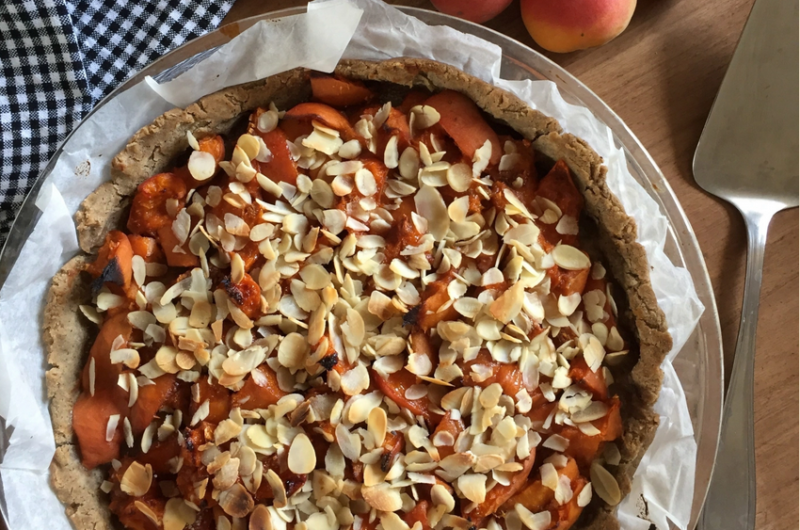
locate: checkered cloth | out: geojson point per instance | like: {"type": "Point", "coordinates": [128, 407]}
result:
{"type": "Point", "coordinates": [58, 58]}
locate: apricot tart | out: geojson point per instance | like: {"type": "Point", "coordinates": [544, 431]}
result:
{"type": "Point", "coordinates": [390, 298]}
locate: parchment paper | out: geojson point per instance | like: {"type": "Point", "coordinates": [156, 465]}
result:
{"type": "Point", "coordinates": [332, 29]}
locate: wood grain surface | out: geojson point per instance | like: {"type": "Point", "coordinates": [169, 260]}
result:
{"type": "Point", "coordinates": [661, 76]}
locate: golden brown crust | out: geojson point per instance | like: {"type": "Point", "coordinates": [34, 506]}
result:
{"type": "Point", "coordinates": [153, 149]}
{"type": "Point", "coordinates": [67, 335]}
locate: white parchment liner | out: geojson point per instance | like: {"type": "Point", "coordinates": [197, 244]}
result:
{"type": "Point", "coordinates": [332, 29]}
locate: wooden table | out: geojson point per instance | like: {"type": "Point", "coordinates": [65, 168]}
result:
{"type": "Point", "coordinates": [661, 76]}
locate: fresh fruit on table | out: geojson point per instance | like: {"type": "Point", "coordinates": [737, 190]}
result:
{"type": "Point", "coordinates": [569, 25]}
{"type": "Point", "coordinates": [473, 10]}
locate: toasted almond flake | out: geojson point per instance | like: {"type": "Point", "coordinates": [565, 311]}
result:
{"type": "Point", "coordinates": [408, 165]}
{"type": "Point", "coordinates": [473, 487]}
{"type": "Point", "coordinates": [147, 512]}
{"type": "Point", "coordinates": [425, 116]}
{"type": "Point", "coordinates": [568, 304]}
{"type": "Point", "coordinates": [390, 155]}
{"type": "Point", "coordinates": [533, 521]}
{"type": "Point", "coordinates": [302, 457]}
{"type": "Point", "coordinates": [377, 425]}
{"type": "Point", "coordinates": [349, 444]}
{"type": "Point", "coordinates": [481, 158]}
{"type": "Point", "coordinates": [292, 351]}
{"type": "Point", "coordinates": [249, 144]}
{"type": "Point", "coordinates": [604, 484]}
{"type": "Point", "coordinates": [127, 356]}
{"type": "Point", "coordinates": [570, 258]}
{"type": "Point", "coordinates": [382, 497]}
{"type": "Point", "coordinates": [509, 304]}
{"type": "Point", "coordinates": [201, 413]}
{"type": "Point", "coordinates": [355, 381]}
{"type": "Point", "coordinates": [91, 313]}
{"type": "Point", "coordinates": [92, 376]}
{"type": "Point", "coordinates": [236, 501]}
{"type": "Point", "coordinates": [567, 225]}
{"type": "Point", "coordinates": [459, 209]}
{"type": "Point", "coordinates": [165, 359]}
{"type": "Point", "coordinates": [267, 121]}
{"type": "Point", "coordinates": [365, 182]}
{"type": "Point", "coordinates": [468, 307]}
{"type": "Point", "coordinates": [178, 515]}
{"type": "Point", "coordinates": [430, 205]}
{"type": "Point", "coordinates": [595, 411]}
{"type": "Point", "coordinates": [334, 220]}
{"type": "Point", "coordinates": [202, 165]}
{"type": "Point", "coordinates": [107, 301]}
{"type": "Point", "coordinates": [269, 185]}
{"type": "Point", "coordinates": [111, 426]}
{"type": "Point", "coordinates": [459, 177]}
{"type": "Point", "coordinates": [556, 442]}
{"type": "Point", "coordinates": [137, 479]}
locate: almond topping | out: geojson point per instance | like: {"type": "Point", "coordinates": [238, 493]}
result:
{"type": "Point", "coordinates": [302, 458]}
{"type": "Point", "coordinates": [137, 479]}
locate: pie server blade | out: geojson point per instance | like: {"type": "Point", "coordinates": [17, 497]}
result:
{"type": "Point", "coordinates": [748, 156]}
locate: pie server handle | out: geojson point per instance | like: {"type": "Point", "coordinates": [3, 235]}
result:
{"type": "Point", "coordinates": [731, 501]}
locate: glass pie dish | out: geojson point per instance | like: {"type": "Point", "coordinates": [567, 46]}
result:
{"type": "Point", "coordinates": [699, 363]}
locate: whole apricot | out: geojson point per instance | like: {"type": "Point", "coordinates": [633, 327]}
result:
{"type": "Point", "coordinates": [473, 10]}
{"type": "Point", "coordinates": [569, 25]}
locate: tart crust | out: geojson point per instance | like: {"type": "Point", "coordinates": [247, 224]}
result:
{"type": "Point", "coordinates": [68, 335]}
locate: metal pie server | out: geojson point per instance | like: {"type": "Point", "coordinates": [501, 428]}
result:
{"type": "Point", "coordinates": [748, 155]}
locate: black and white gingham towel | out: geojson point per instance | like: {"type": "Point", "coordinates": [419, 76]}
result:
{"type": "Point", "coordinates": [58, 58]}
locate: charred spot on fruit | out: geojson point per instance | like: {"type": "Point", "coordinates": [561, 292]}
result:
{"type": "Point", "coordinates": [233, 292]}
{"type": "Point", "coordinates": [410, 318]}
{"type": "Point", "coordinates": [329, 361]}
{"type": "Point", "coordinates": [293, 484]}
{"type": "Point", "coordinates": [111, 273]}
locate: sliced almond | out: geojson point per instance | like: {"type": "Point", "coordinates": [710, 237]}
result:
{"type": "Point", "coordinates": [604, 484]}
{"type": "Point", "coordinates": [473, 487]}
{"type": "Point", "coordinates": [459, 177]}
{"type": "Point", "coordinates": [570, 258]}
{"type": "Point", "coordinates": [202, 165]}
{"type": "Point", "coordinates": [430, 205]}
{"type": "Point", "coordinates": [137, 479]}
{"type": "Point", "coordinates": [382, 497]}
{"type": "Point", "coordinates": [302, 457]}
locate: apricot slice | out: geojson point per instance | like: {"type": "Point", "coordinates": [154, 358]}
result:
{"type": "Point", "coordinates": [260, 390]}
{"type": "Point", "coordinates": [461, 119]}
{"type": "Point", "coordinates": [338, 92]}
{"type": "Point", "coordinates": [149, 207]}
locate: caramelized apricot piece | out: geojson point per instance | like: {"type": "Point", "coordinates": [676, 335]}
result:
{"type": "Point", "coordinates": [559, 187]}
{"type": "Point", "coordinates": [281, 167]}
{"type": "Point", "coordinates": [260, 390]}
{"type": "Point", "coordinates": [246, 295]}
{"type": "Point", "coordinates": [219, 401]}
{"type": "Point", "coordinates": [535, 496]}
{"type": "Point", "coordinates": [324, 114]}
{"type": "Point", "coordinates": [434, 297]}
{"type": "Point", "coordinates": [454, 427]}
{"type": "Point", "coordinates": [147, 248]}
{"type": "Point", "coordinates": [584, 448]}
{"type": "Point", "coordinates": [90, 416]}
{"type": "Point", "coordinates": [395, 387]}
{"type": "Point", "coordinates": [177, 254]}
{"type": "Point", "coordinates": [149, 207]}
{"type": "Point", "coordinates": [151, 399]}
{"type": "Point", "coordinates": [498, 495]}
{"type": "Point", "coordinates": [594, 382]}
{"type": "Point", "coordinates": [462, 121]}
{"type": "Point", "coordinates": [338, 92]}
{"type": "Point", "coordinates": [113, 263]}
{"type": "Point", "coordinates": [507, 375]}
{"type": "Point", "coordinates": [419, 514]}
